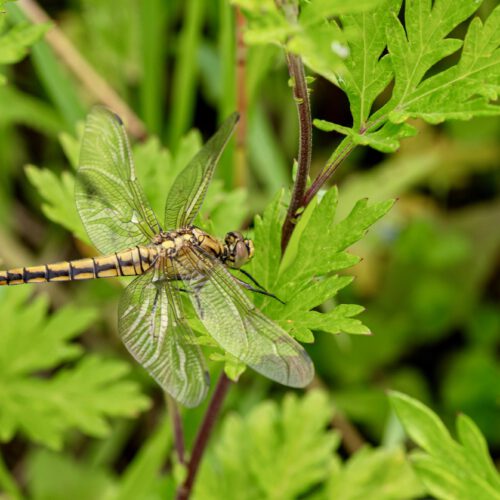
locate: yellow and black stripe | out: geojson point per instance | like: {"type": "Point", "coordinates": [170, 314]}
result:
{"type": "Point", "coordinates": [130, 262]}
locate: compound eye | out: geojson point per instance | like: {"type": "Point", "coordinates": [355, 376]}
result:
{"type": "Point", "coordinates": [241, 254]}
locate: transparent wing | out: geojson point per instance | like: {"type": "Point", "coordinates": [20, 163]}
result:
{"type": "Point", "coordinates": [152, 326]}
{"type": "Point", "coordinates": [190, 186]}
{"type": "Point", "coordinates": [238, 326]}
{"type": "Point", "coordinates": [109, 199]}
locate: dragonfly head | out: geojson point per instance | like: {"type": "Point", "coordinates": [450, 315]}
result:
{"type": "Point", "coordinates": [237, 250]}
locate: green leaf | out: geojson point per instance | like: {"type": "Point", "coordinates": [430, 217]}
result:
{"type": "Point", "coordinates": [75, 479]}
{"type": "Point", "coordinates": [336, 321]}
{"type": "Point", "coordinates": [81, 396]}
{"type": "Point", "coordinates": [57, 193]}
{"type": "Point", "coordinates": [266, 22]}
{"type": "Point", "coordinates": [306, 280]}
{"type": "Point", "coordinates": [386, 139]}
{"type": "Point", "coordinates": [384, 474]}
{"type": "Point", "coordinates": [459, 92]}
{"type": "Point", "coordinates": [448, 469]}
{"type": "Point", "coordinates": [267, 240]}
{"type": "Point", "coordinates": [367, 74]}
{"type": "Point", "coordinates": [53, 76]}
{"type": "Point", "coordinates": [314, 35]}
{"type": "Point", "coordinates": [185, 74]}
{"type": "Point", "coordinates": [322, 244]}
{"type": "Point", "coordinates": [15, 43]}
{"type": "Point", "coordinates": [20, 107]}
{"type": "Point", "coordinates": [141, 475]}
{"type": "Point", "coordinates": [475, 445]}
{"type": "Point", "coordinates": [423, 87]}
{"type": "Point", "coordinates": [285, 451]}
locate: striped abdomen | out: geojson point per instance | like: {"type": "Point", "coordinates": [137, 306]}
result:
{"type": "Point", "coordinates": [127, 263]}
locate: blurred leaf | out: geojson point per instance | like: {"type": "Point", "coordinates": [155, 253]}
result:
{"type": "Point", "coordinates": [469, 385]}
{"type": "Point", "coordinates": [448, 469]}
{"type": "Point", "coordinates": [74, 479]}
{"type": "Point", "coordinates": [285, 451]}
{"type": "Point", "coordinates": [142, 474]}
{"type": "Point", "coordinates": [153, 45]}
{"type": "Point", "coordinates": [19, 107]}
{"type": "Point", "coordinates": [79, 397]}
{"type": "Point", "coordinates": [185, 74]}
{"type": "Point", "coordinates": [71, 147]}
{"type": "Point", "coordinates": [59, 199]}
{"type": "Point", "coordinates": [264, 150]}
{"type": "Point", "coordinates": [226, 210]}
{"type": "Point", "coordinates": [53, 77]}
{"type": "Point", "coordinates": [15, 43]}
{"type": "Point", "coordinates": [382, 474]}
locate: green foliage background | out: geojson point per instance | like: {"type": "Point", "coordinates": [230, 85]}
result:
{"type": "Point", "coordinates": [78, 418]}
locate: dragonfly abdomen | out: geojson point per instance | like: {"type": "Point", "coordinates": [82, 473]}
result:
{"type": "Point", "coordinates": [130, 262]}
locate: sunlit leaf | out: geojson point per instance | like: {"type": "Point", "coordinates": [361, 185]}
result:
{"type": "Point", "coordinates": [286, 450]}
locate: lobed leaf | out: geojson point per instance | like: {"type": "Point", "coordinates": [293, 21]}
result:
{"type": "Point", "coordinates": [448, 469]}
{"type": "Point", "coordinates": [79, 397]}
{"type": "Point", "coordinates": [15, 43]}
{"type": "Point", "coordinates": [285, 450]}
{"type": "Point", "coordinates": [459, 92]}
{"type": "Point", "coordinates": [306, 279]}
{"type": "Point", "coordinates": [384, 474]}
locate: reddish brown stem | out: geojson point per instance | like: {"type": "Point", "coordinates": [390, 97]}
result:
{"type": "Point", "coordinates": [241, 100]}
{"type": "Point", "coordinates": [326, 174]}
{"type": "Point", "coordinates": [80, 67]}
{"type": "Point", "coordinates": [301, 96]}
{"type": "Point", "coordinates": [184, 491]}
{"type": "Point", "coordinates": [176, 420]}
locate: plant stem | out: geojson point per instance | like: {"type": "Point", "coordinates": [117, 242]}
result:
{"type": "Point", "coordinates": [301, 97]}
{"type": "Point", "coordinates": [241, 100]}
{"type": "Point", "coordinates": [341, 153]}
{"type": "Point", "coordinates": [85, 73]}
{"type": "Point", "coordinates": [184, 491]}
{"type": "Point", "coordinates": [175, 418]}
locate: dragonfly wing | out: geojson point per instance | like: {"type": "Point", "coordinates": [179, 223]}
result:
{"type": "Point", "coordinates": [154, 330]}
{"type": "Point", "coordinates": [109, 198]}
{"type": "Point", "coordinates": [240, 328]}
{"type": "Point", "coordinates": [190, 186]}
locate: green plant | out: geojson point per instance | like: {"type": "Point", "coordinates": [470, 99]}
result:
{"type": "Point", "coordinates": [397, 70]}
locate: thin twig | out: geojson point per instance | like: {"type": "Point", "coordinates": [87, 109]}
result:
{"type": "Point", "coordinates": [351, 437]}
{"type": "Point", "coordinates": [184, 491]}
{"type": "Point", "coordinates": [241, 100]}
{"type": "Point", "coordinates": [340, 155]}
{"type": "Point", "coordinates": [175, 418]}
{"type": "Point", "coordinates": [301, 97]}
{"type": "Point", "coordinates": [86, 74]}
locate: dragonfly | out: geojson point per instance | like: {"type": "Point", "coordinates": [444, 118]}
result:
{"type": "Point", "coordinates": [170, 262]}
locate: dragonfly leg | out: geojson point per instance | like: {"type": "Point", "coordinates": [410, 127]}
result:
{"type": "Point", "coordinates": [153, 313]}
{"type": "Point", "coordinates": [250, 277]}
{"type": "Point", "coordinates": [262, 291]}
{"type": "Point", "coordinates": [194, 291]}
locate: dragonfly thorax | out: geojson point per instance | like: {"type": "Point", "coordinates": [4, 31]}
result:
{"type": "Point", "coordinates": [235, 252]}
